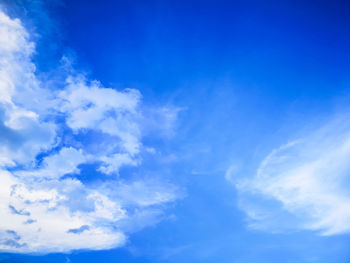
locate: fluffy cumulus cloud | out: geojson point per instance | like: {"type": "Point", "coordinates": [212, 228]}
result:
{"type": "Point", "coordinates": [46, 136]}
{"type": "Point", "coordinates": [303, 184]}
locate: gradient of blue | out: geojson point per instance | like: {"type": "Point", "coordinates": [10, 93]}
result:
{"type": "Point", "coordinates": [248, 74]}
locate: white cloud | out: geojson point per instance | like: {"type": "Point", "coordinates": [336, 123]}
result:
{"type": "Point", "coordinates": [46, 135]}
{"type": "Point", "coordinates": [56, 165]}
{"type": "Point", "coordinates": [107, 110]}
{"type": "Point", "coordinates": [42, 220]}
{"type": "Point", "coordinates": [23, 134]}
{"type": "Point", "coordinates": [88, 106]}
{"type": "Point", "coordinates": [309, 179]}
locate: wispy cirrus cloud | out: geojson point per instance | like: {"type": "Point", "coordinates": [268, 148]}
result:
{"type": "Point", "coordinates": [45, 137]}
{"type": "Point", "coordinates": [303, 184]}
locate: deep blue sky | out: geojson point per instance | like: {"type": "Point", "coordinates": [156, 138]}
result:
{"type": "Point", "coordinates": [247, 75]}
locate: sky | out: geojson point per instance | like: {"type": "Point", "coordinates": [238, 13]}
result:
{"type": "Point", "coordinates": [174, 131]}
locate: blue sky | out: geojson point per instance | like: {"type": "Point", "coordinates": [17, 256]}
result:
{"type": "Point", "coordinates": [174, 131]}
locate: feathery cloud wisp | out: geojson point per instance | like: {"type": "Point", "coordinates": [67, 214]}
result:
{"type": "Point", "coordinates": [309, 179]}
